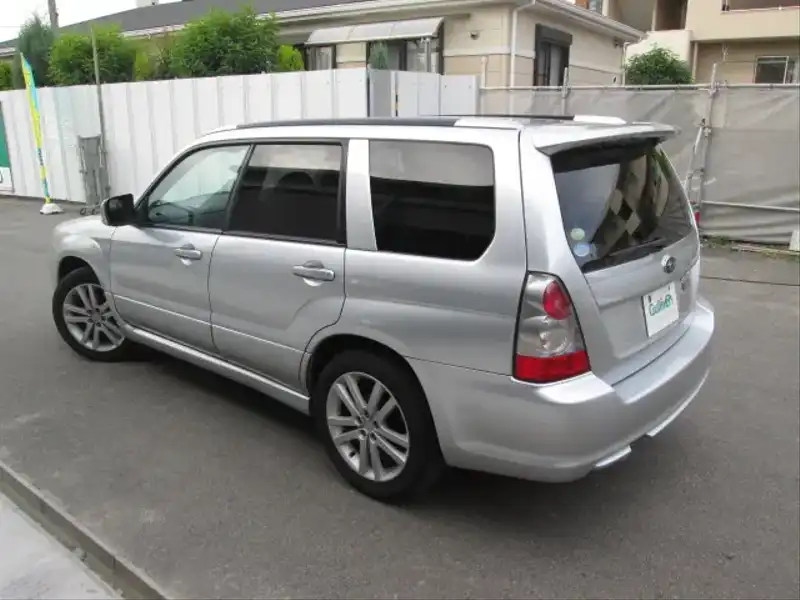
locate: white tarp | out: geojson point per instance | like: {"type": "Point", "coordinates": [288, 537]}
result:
{"type": "Point", "coordinates": [752, 158]}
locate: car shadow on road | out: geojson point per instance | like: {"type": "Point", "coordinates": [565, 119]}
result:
{"type": "Point", "coordinates": [512, 506]}
{"type": "Point", "coordinates": [244, 397]}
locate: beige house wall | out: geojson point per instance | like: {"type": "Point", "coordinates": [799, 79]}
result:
{"type": "Point", "coordinates": [594, 58]}
{"type": "Point", "coordinates": [351, 55]}
{"type": "Point", "coordinates": [482, 35]}
{"type": "Point", "coordinates": [707, 22]}
{"type": "Point", "coordinates": [740, 64]}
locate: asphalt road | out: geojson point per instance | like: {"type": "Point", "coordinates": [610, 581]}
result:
{"type": "Point", "coordinates": [216, 492]}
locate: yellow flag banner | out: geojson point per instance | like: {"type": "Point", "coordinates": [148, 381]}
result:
{"type": "Point", "coordinates": [36, 123]}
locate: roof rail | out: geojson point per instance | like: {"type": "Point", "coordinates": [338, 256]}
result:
{"type": "Point", "coordinates": [433, 121]}
{"type": "Point", "coordinates": [514, 116]}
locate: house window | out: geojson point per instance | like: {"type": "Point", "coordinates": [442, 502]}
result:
{"type": "Point", "coordinates": [405, 55]}
{"type": "Point", "coordinates": [777, 69]}
{"type": "Point", "coordinates": [596, 6]}
{"type": "Point", "coordinates": [319, 58]}
{"type": "Point", "coordinates": [552, 56]}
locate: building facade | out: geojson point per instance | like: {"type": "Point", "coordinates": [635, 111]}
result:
{"type": "Point", "coordinates": [749, 41]}
{"type": "Point", "coordinates": [508, 42]}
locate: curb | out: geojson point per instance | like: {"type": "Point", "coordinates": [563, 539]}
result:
{"type": "Point", "coordinates": [115, 571]}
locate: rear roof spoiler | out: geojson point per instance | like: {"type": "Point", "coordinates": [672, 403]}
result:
{"type": "Point", "coordinates": [549, 139]}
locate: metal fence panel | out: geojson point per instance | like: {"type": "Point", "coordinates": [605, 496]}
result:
{"type": "Point", "coordinates": [680, 108]}
{"type": "Point", "coordinates": [749, 167]}
{"type": "Point", "coordinates": [754, 161]}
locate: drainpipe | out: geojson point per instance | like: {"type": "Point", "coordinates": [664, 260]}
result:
{"type": "Point", "coordinates": [512, 64]}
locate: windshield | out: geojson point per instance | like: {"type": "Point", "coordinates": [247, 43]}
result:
{"type": "Point", "coordinates": [619, 202]}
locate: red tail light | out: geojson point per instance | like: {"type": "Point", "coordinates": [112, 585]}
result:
{"type": "Point", "coordinates": [550, 344]}
{"type": "Point", "coordinates": [697, 216]}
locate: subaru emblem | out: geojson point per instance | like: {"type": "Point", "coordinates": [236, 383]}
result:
{"type": "Point", "coordinates": [668, 263]}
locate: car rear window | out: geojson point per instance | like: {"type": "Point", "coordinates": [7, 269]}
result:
{"type": "Point", "coordinates": [619, 202]}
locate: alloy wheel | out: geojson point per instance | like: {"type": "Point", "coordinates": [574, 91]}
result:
{"type": "Point", "coordinates": [367, 426]}
{"type": "Point", "coordinates": [90, 319]}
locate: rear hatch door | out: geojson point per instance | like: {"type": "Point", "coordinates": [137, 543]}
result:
{"type": "Point", "coordinates": [629, 230]}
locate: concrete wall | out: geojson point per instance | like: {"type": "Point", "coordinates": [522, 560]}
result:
{"type": "Point", "coordinates": [739, 65]}
{"type": "Point", "coordinates": [707, 22]}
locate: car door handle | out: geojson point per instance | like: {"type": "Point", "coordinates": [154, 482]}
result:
{"type": "Point", "coordinates": [188, 252]}
{"type": "Point", "coordinates": [315, 270]}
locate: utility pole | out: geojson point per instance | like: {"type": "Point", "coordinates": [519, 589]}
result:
{"type": "Point", "coordinates": [53, 11]}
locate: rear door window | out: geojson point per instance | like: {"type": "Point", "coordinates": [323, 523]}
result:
{"type": "Point", "coordinates": [619, 202]}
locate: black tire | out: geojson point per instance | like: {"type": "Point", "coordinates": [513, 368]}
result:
{"type": "Point", "coordinates": [73, 279]}
{"type": "Point", "coordinates": [424, 464]}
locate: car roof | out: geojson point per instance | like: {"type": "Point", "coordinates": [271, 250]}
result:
{"type": "Point", "coordinates": [548, 133]}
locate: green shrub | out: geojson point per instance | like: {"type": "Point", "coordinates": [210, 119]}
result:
{"type": "Point", "coordinates": [143, 68]}
{"type": "Point", "coordinates": [35, 39]}
{"type": "Point", "coordinates": [6, 80]}
{"type": "Point", "coordinates": [225, 43]}
{"type": "Point", "coordinates": [379, 56]}
{"type": "Point", "coordinates": [289, 59]}
{"type": "Point", "coordinates": [658, 66]}
{"type": "Point", "coordinates": [71, 61]}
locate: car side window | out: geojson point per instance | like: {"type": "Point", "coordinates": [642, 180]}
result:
{"type": "Point", "coordinates": [290, 190]}
{"type": "Point", "coordinates": [432, 199]}
{"type": "Point", "coordinates": [196, 192]}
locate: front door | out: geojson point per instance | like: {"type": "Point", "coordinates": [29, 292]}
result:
{"type": "Point", "coordinates": [160, 267]}
{"type": "Point", "coordinates": [277, 274]}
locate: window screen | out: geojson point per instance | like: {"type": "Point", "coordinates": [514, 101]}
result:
{"type": "Point", "coordinates": [432, 199]}
{"type": "Point", "coordinates": [291, 191]}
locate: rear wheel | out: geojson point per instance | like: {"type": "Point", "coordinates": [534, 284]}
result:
{"type": "Point", "coordinates": [376, 426]}
{"type": "Point", "coordinates": [86, 320]}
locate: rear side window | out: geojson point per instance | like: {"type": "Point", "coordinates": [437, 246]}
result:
{"type": "Point", "coordinates": [432, 199]}
{"type": "Point", "coordinates": [619, 203]}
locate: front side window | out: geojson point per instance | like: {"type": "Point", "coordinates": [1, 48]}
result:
{"type": "Point", "coordinates": [777, 69]}
{"type": "Point", "coordinates": [291, 191]}
{"type": "Point", "coordinates": [196, 192]}
{"type": "Point", "coordinates": [432, 199]}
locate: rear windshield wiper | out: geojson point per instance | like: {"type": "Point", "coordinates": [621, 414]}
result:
{"type": "Point", "coordinates": [659, 243]}
{"type": "Point", "coordinates": [615, 256]}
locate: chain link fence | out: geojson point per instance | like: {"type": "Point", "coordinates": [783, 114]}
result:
{"type": "Point", "coordinates": [738, 146]}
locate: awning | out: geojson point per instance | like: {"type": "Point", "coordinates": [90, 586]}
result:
{"type": "Point", "coordinates": [392, 30]}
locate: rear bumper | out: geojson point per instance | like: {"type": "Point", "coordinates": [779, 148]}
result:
{"type": "Point", "coordinates": [561, 432]}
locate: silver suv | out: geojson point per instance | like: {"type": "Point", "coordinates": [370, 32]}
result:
{"type": "Point", "coordinates": [511, 295]}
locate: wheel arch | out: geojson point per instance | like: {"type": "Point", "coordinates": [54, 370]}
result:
{"type": "Point", "coordinates": [324, 351]}
{"type": "Point", "coordinates": [68, 264]}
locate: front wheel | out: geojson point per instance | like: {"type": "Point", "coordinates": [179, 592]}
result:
{"type": "Point", "coordinates": [376, 426]}
{"type": "Point", "coordinates": [85, 319]}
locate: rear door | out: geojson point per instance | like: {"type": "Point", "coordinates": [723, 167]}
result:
{"type": "Point", "coordinates": [629, 230]}
{"type": "Point", "coordinates": [277, 272]}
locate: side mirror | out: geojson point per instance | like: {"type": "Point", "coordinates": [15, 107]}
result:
{"type": "Point", "coordinates": [118, 210]}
